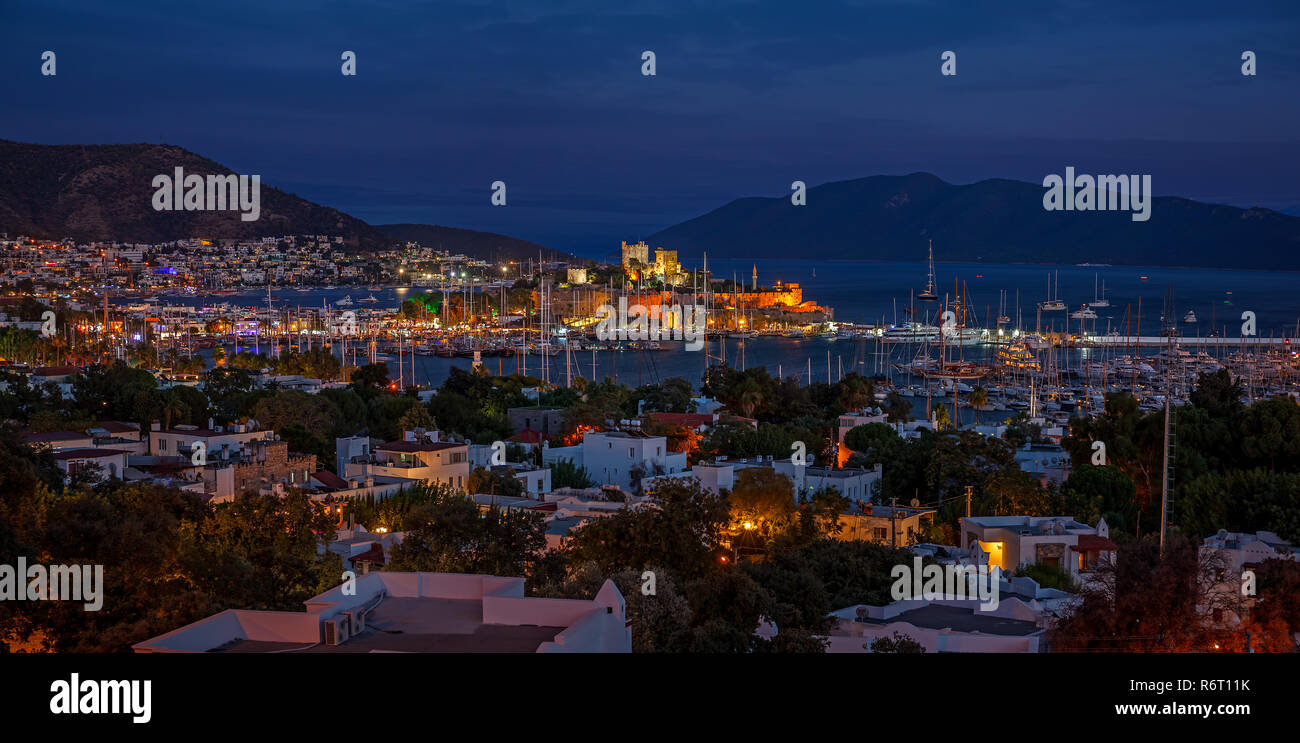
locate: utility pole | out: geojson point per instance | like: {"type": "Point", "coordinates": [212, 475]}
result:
{"type": "Point", "coordinates": [1164, 479]}
{"type": "Point", "coordinates": [893, 531]}
{"type": "Point", "coordinates": [969, 490]}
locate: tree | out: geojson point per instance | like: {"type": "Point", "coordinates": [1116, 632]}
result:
{"type": "Point", "coordinates": [683, 533]}
{"type": "Point", "coordinates": [494, 482]}
{"type": "Point", "coordinates": [941, 417]}
{"type": "Point", "coordinates": [856, 392]}
{"type": "Point", "coordinates": [1011, 491]}
{"type": "Point", "coordinates": [1217, 393]}
{"type": "Point", "coordinates": [1091, 493]}
{"type": "Point", "coordinates": [762, 500]}
{"type": "Point", "coordinates": [1146, 602]}
{"type": "Point", "coordinates": [370, 379]}
{"type": "Point", "coordinates": [659, 618]}
{"type": "Point", "coordinates": [1048, 576]}
{"type": "Point", "coordinates": [897, 408]}
{"type": "Point", "coordinates": [899, 643]}
{"type": "Point", "coordinates": [451, 535]}
{"type": "Point", "coordinates": [289, 407]}
{"type": "Point", "coordinates": [673, 395]}
{"type": "Point", "coordinates": [227, 389]}
{"type": "Point", "coordinates": [566, 474]}
{"type": "Point", "coordinates": [417, 416]}
{"type": "Point", "coordinates": [875, 442]}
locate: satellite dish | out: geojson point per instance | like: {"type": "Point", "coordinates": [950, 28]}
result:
{"type": "Point", "coordinates": [915, 503]}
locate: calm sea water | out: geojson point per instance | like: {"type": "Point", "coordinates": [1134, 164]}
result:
{"type": "Point", "coordinates": [872, 292]}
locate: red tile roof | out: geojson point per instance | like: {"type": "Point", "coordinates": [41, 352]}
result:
{"type": "Point", "coordinates": [330, 480]}
{"type": "Point", "coordinates": [528, 436]}
{"type": "Point", "coordinates": [374, 555]}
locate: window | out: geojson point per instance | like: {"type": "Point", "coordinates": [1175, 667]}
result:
{"type": "Point", "coordinates": [880, 534]}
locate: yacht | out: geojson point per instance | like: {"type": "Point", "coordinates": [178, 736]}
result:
{"type": "Point", "coordinates": [963, 336]}
{"type": "Point", "coordinates": [1036, 342]}
{"type": "Point", "coordinates": [1016, 355]}
{"type": "Point", "coordinates": [371, 299]}
{"type": "Point", "coordinates": [1052, 303]}
{"type": "Point", "coordinates": [1098, 300]}
{"type": "Point", "coordinates": [1084, 313]}
{"type": "Point", "coordinates": [1190, 317]}
{"type": "Point", "coordinates": [929, 295]}
{"type": "Point", "coordinates": [346, 301]}
{"type": "Point", "coordinates": [910, 332]}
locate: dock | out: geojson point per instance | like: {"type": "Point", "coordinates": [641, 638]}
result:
{"type": "Point", "coordinates": [1161, 340]}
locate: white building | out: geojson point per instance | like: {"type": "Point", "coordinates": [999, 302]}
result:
{"type": "Point", "coordinates": [215, 440]}
{"type": "Point", "coordinates": [440, 462]}
{"type": "Point", "coordinates": [613, 457]}
{"type": "Point", "coordinates": [109, 462]}
{"type": "Point", "coordinates": [858, 485]}
{"type": "Point", "coordinates": [391, 612]}
{"type": "Point", "coordinates": [1012, 541]}
{"type": "Point", "coordinates": [940, 626]}
{"type": "Point", "coordinates": [1241, 551]}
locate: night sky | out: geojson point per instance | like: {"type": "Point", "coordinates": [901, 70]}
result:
{"type": "Point", "coordinates": [749, 96]}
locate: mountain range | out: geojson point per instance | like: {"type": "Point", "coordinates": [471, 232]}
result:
{"type": "Point", "coordinates": [105, 193]}
{"type": "Point", "coordinates": [996, 221]}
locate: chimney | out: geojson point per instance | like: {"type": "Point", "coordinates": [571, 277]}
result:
{"type": "Point", "coordinates": [155, 426]}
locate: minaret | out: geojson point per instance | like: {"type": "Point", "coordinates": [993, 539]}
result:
{"type": "Point", "coordinates": [754, 285]}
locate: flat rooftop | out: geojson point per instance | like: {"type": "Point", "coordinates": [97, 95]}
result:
{"type": "Point", "coordinates": [421, 625]}
{"type": "Point", "coordinates": [960, 619]}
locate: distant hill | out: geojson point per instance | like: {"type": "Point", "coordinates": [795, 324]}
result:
{"type": "Point", "coordinates": [999, 221]}
{"type": "Point", "coordinates": [105, 192]}
{"type": "Point", "coordinates": [482, 245]}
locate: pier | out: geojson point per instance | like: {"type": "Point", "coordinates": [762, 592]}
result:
{"type": "Point", "coordinates": [1161, 340]}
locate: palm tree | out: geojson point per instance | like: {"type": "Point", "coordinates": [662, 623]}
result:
{"type": "Point", "coordinates": [751, 395]}
{"type": "Point", "coordinates": [172, 404]}
{"type": "Point", "coordinates": [979, 397]}
{"type": "Point", "coordinates": [897, 408]}
{"type": "Point", "coordinates": [941, 419]}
